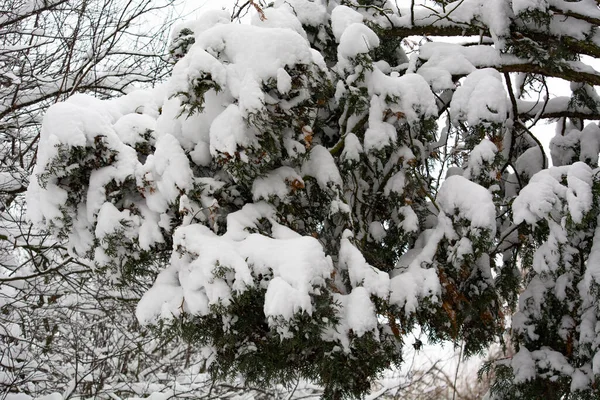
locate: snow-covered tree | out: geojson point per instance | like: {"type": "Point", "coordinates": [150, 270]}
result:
{"type": "Point", "coordinates": [63, 326]}
{"type": "Point", "coordinates": [322, 181]}
{"type": "Point", "coordinates": [52, 49]}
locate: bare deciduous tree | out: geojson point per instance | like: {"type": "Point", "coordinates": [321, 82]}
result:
{"type": "Point", "coordinates": [62, 327]}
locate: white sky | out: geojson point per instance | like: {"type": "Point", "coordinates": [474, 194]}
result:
{"type": "Point", "coordinates": [195, 7]}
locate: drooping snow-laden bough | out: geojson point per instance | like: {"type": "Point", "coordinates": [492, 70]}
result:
{"type": "Point", "coordinates": [325, 179]}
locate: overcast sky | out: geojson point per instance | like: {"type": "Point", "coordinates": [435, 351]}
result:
{"type": "Point", "coordinates": [199, 6]}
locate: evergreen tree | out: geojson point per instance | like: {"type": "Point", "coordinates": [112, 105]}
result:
{"type": "Point", "coordinates": [315, 193]}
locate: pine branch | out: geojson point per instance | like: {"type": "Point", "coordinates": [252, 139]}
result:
{"type": "Point", "coordinates": [562, 72]}
{"type": "Point", "coordinates": [572, 14]}
{"type": "Point", "coordinates": [586, 47]}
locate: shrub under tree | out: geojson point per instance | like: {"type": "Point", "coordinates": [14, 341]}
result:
{"type": "Point", "coordinates": [328, 178]}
